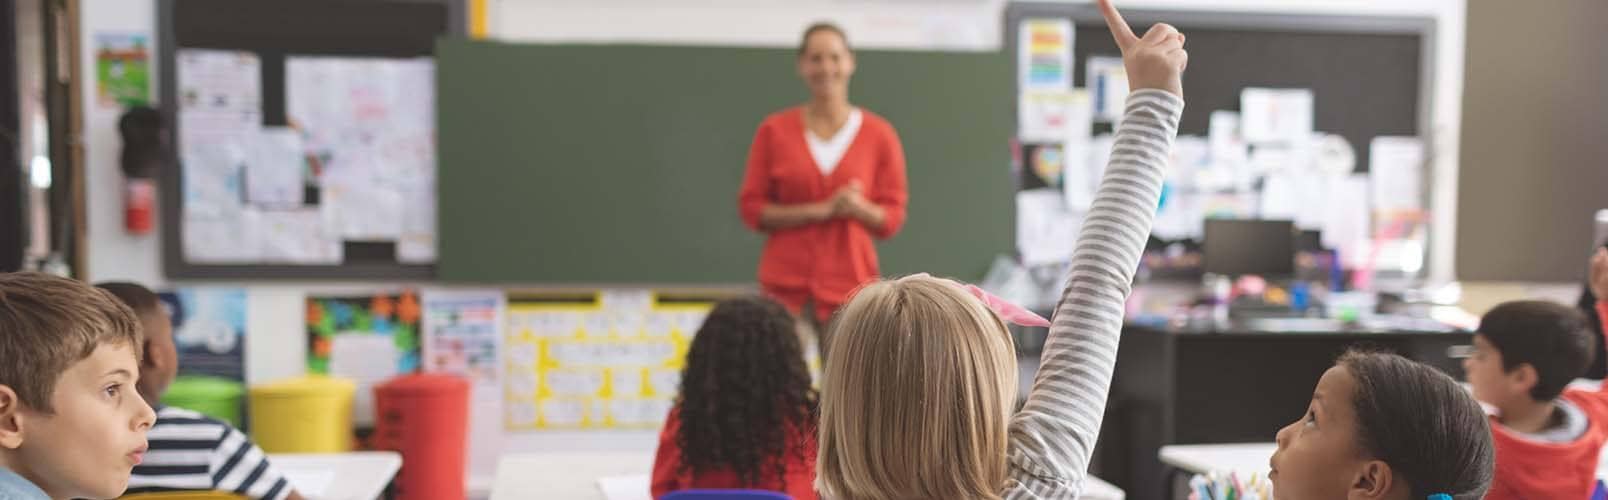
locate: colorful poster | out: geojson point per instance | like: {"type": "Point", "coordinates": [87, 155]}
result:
{"type": "Point", "coordinates": [209, 326]}
{"type": "Point", "coordinates": [461, 332]}
{"type": "Point", "coordinates": [364, 339]}
{"type": "Point", "coordinates": [608, 360]}
{"type": "Point", "coordinates": [1044, 49]}
{"type": "Point", "coordinates": [122, 70]}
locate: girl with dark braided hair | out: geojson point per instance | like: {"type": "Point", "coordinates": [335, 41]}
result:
{"type": "Point", "coordinates": [746, 414]}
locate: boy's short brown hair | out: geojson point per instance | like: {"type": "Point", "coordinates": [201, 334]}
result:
{"type": "Point", "coordinates": [1553, 338]}
{"type": "Point", "coordinates": [47, 323]}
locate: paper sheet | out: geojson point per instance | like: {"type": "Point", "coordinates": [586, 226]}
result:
{"type": "Point", "coordinates": [224, 238]}
{"type": "Point", "coordinates": [273, 173]}
{"type": "Point", "coordinates": [1228, 147]}
{"type": "Point", "coordinates": [1107, 81]}
{"type": "Point", "coordinates": [625, 487]}
{"type": "Point", "coordinates": [1299, 197]}
{"type": "Point", "coordinates": [220, 91]}
{"type": "Point", "coordinates": [1345, 217]}
{"type": "Point", "coordinates": [360, 209]}
{"type": "Point", "coordinates": [462, 332]}
{"type": "Point", "coordinates": [1276, 115]}
{"type": "Point", "coordinates": [296, 237]}
{"type": "Point", "coordinates": [1180, 217]}
{"type": "Point", "coordinates": [1395, 165]}
{"type": "Point", "coordinates": [1044, 49]}
{"type": "Point", "coordinates": [1045, 229]}
{"type": "Point", "coordinates": [1054, 116]}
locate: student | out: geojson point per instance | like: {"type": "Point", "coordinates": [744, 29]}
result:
{"type": "Point", "coordinates": [71, 423]}
{"type": "Point", "coordinates": [917, 395]}
{"type": "Point", "coordinates": [746, 414]}
{"type": "Point", "coordinates": [1598, 369]}
{"type": "Point", "coordinates": [1382, 427]}
{"type": "Point", "coordinates": [1548, 437]}
{"type": "Point", "coordinates": [189, 451]}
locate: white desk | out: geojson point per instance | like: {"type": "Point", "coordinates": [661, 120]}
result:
{"type": "Point", "coordinates": [566, 475]}
{"type": "Point", "coordinates": [1241, 459]}
{"type": "Point", "coordinates": [527, 476]}
{"type": "Point", "coordinates": [359, 475]}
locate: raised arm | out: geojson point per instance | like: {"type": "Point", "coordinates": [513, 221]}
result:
{"type": "Point", "coordinates": [1053, 437]}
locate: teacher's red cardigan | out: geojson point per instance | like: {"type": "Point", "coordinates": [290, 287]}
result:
{"type": "Point", "coordinates": [825, 261]}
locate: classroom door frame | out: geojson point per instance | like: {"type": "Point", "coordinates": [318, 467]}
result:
{"type": "Point", "coordinates": [12, 184]}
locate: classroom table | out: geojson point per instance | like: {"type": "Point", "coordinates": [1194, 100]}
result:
{"type": "Point", "coordinates": [1235, 382]}
{"type": "Point", "coordinates": [361, 475]}
{"type": "Point", "coordinates": [584, 475]}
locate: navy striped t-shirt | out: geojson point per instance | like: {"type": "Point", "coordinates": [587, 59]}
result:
{"type": "Point", "coordinates": [192, 452]}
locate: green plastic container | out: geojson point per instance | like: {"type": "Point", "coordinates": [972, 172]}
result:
{"type": "Point", "coordinates": [211, 396]}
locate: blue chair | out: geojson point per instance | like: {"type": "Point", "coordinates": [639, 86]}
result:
{"type": "Point", "coordinates": [725, 495]}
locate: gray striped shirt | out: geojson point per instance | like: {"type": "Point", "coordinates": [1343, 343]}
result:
{"type": "Point", "coordinates": [1052, 438]}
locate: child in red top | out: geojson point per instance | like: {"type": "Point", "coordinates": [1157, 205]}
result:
{"type": "Point", "coordinates": [746, 414]}
{"type": "Point", "coordinates": [1547, 437]}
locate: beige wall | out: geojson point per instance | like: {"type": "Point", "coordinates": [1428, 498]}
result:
{"type": "Point", "coordinates": [1535, 139]}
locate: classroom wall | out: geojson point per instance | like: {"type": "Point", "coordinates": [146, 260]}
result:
{"type": "Point", "coordinates": [276, 344]}
{"type": "Point", "coordinates": [914, 25]}
{"type": "Point", "coordinates": [1537, 167]}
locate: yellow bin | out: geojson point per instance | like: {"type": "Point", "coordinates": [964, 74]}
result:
{"type": "Point", "coordinates": [311, 414]}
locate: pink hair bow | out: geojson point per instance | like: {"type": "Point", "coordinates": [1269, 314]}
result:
{"type": "Point", "coordinates": [1007, 311]}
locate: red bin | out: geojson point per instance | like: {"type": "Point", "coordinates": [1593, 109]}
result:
{"type": "Point", "coordinates": [424, 417]}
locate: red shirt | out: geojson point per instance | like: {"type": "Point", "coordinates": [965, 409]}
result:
{"type": "Point", "coordinates": [828, 259]}
{"type": "Point", "coordinates": [1527, 469]}
{"type": "Point", "coordinates": [800, 475]}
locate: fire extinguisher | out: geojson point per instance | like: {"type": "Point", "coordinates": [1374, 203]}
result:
{"type": "Point", "coordinates": [144, 150]}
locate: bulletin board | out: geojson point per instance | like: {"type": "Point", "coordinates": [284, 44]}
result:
{"type": "Point", "coordinates": [1368, 78]}
{"type": "Point", "coordinates": [594, 361]}
{"type": "Point", "coordinates": [302, 136]}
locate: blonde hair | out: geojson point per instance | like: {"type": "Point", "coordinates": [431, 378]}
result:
{"type": "Point", "coordinates": [916, 396]}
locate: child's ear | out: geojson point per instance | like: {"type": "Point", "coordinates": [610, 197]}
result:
{"type": "Point", "coordinates": [1374, 480]}
{"type": "Point", "coordinates": [1523, 377]}
{"type": "Point", "coordinates": [10, 418]}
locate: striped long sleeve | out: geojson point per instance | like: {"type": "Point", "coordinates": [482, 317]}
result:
{"type": "Point", "coordinates": [1052, 438]}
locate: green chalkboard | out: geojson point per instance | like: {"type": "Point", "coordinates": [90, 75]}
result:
{"type": "Point", "coordinates": [619, 164]}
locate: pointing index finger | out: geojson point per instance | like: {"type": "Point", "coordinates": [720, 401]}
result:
{"type": "Point", "coordinates": [1119, 27]}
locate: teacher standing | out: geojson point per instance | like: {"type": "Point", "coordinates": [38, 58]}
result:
{"type": "Point", "coordinates": [823, 179]}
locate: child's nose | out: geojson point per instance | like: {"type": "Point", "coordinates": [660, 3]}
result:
{"type": "Point", "coordinates": [145, 418]}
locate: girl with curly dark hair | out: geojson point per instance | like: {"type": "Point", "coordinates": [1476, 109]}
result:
{"type": "Point", "coordinates": [746, 414]}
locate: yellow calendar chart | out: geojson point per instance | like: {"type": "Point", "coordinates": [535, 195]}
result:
{"type": "Point", "coordinates": [603, 360]}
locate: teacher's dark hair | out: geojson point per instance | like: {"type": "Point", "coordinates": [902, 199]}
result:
{"type": "Point", "coordinates": [804, 42]}
{"type": "Point", "coordinates": [1419, 421]}
{"type": "Point", "coordinates": [745, 392]}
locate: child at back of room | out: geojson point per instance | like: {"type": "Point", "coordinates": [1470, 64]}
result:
{"type": "Point", "coordinates": [1548, 437]}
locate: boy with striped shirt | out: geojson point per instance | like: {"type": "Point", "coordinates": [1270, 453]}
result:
{"type": "Point", "coordinates": [189, 451]}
